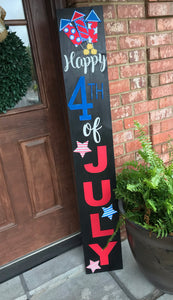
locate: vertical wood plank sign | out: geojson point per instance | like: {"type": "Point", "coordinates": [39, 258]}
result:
{"type": "Point", "coordinates": [83, 52]}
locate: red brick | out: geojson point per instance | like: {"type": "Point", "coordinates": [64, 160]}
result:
{"type": "Point", "coordinates": [113, 73]}
{"type": "Point", "coordinates": [131, 11]}
{"type": "Point", "coordinates": [109, 12]}
{"type": "Point", "coordinates": [162, 137]}
{"type": "Point", "coordinates": [118, 170]}
{"type": "Point", "coordinates": [111, 43]}
{"type": "Point", "coordinates": [165, 102]}
{"type": "Point", "coordinates": [117, 126]}
{"type": "Point", "coordinates": [137, 26]}
{"type": "Point", "coordinates": [161, 91]}
{"type": "Point", "coordinates": [136, 55]}
{"type": "Point", "coordinates": [160, 9]}
{"type": "Point", "coordinates": [167, 125]}
{"type": "Point", "coordinates": [161, 65]}
{"type": "Point", "coordinates": [155, 128]}
{"type": "Point", "coordinates": [166, 51]}
{"type": "Point", "coordinates": [145, 106]}
{"type": "Point", "coordinates": [123, 137]}
{"type": "Point", "coordinates": [165, 24]}
{"type": "Point", "coordinates": [165, 157]}
{"type": "Point", "coordinates": [132, 70]}
{"type": "Point", "coordinates": [153, 53]}
{"type": "Point", "coordinates": [121, 112]}
{"type": "Point", "coordinates": [124, 158]}
{"type": "Point", "coordinates": [134, 97]}
{"type": "Point", "coordinates": [158, 149]}
{"type": "Point", "coordinates": [118, 150]}
{"type": "Point", "coordinates": [129, 122]}
{"type": "Point", "coordinates": [117, 87]}
{"type": "Point", "coordinates": [115, 100]}
{"type": "Point", "coordinates": [138, 83]}
{"type": "Point", "coordinates": [159, 39]}
{"type": "Point", "coordinates": [131, 41]}
{"type": "Point", "coordinates": [133, 146]}
{"type": "Point", "coordinates": [115, 27]}
{"type": "Point", "coordinates": [166, 78]}
{"type": "Point", "coordinates": [154, 80]}
{"type": "Point", "coordinates": [164, 148]}
{"type": "Point", "coordinates": [137, 133]}
{"type": "Point", "coordinates": [117, 58]}
{"type": "Point", "coordinates": [161, 114]}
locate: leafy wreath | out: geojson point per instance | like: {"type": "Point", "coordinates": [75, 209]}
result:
{"type": "Point", "coordinates": [15, 71]}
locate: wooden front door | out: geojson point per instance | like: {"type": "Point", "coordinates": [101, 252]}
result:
{"type": "Point", "coordinates": [37, 197]}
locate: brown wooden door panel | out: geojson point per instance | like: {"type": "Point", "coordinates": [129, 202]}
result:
{"type": "Point", "coordinates": [38, 203]}
{"type": "Point", "coordinates": [7, 219]}
{"type": "Point", "coordinates": [27, 125]}
{"type": "Point", "coordinates": [41, 175]}
{"type": "Point", "coordinates": [37, 200]}
{"type": "Point", "coordinates": [30, 236]}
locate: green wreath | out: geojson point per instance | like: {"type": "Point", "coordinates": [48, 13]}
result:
{"type": "Point", "coordinates": [15, 71]}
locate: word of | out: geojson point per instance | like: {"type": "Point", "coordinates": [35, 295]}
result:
{"type": "Point", "coordinates": [88, 129]}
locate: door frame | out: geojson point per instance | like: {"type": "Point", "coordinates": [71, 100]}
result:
{"type": "Point", "coordinates": [46, 253]}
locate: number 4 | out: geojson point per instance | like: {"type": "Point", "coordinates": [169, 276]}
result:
{"type": "Point", "coordinates": [84, 106]}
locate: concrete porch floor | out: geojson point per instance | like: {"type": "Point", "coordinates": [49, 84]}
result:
{"type": "Point", "coordinates": [64, 278]}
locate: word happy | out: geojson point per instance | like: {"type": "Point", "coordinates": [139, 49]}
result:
{"type": "Point", "coordinates": [86, 63]}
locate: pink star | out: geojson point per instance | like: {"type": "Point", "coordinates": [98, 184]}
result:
{"type": "Point", "coordinates": [82, 148]}
{"type": "Point", "coordinates": [94, 265]}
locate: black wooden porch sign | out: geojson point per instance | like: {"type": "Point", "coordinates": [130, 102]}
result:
{"type": "Point", "coordinates": [83, 52]}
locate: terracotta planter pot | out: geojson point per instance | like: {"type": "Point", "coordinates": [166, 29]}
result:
{"type": "Point", "coordinates": [153, 255]}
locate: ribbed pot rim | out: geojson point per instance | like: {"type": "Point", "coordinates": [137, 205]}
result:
{"type": "Point", "coordinates": [146, 231]}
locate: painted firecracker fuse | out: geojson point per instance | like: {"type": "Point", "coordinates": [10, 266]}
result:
{"type": "Point", "coordinates": [88, 104]}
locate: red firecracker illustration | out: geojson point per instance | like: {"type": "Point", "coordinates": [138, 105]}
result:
{"type": "Point", "coordinates": [82, 32]}
{"type": "Point", "coordinates": [78, 19]}
{"type": "Point", "coordinates": [70, 31]}
{"type": "Point", "coordinates": [92, 21]}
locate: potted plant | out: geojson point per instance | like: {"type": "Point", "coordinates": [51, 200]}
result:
{"type": "Point", "coordinates": [146, 190]}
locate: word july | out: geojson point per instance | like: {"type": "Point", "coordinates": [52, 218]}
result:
{"type": "Point", "coordinates": [86, 63]}
{"type": "Point", "coordinates": [106, 198]}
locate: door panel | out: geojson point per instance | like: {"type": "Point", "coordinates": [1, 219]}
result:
{"type": "Point", "coordinates": [37, 199]}
{"type": "Point", "coordinates": [7, 219]}
{"type": "Point", "coordinates": [41, 175]}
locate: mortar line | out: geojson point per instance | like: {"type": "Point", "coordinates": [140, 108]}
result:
{"type": "Point", "coordinates": [156, 294]}
{"type": "Point", "coordinates": [122, 286]}
{"type": "Point", "coordinates": [25, 286]}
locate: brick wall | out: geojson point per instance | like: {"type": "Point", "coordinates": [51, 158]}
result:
{"type": "Point", "coordinates": [139, 42]}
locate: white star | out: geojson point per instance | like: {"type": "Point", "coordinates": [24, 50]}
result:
{"type": "Point", "coordinates": [90, 40]}
{"type": "Point", "coordinates": [95, 30]}
{"type": "Point", "coordinates": [89, 25]}
{"type": "Point", "coordinates": [94, 265]}
{"type": "Point", "coordinates": [82, 148]}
